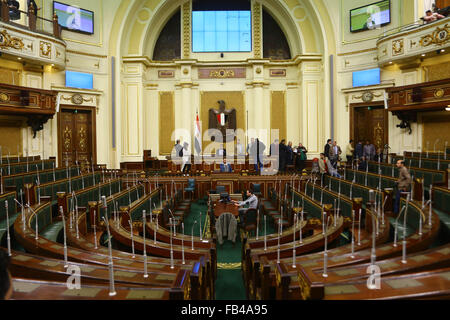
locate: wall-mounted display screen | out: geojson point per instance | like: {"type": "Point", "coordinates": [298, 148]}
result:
{"type": "Point", "coordinates": [370, 16]}
{"type": "Point", "coordinates": [79, 80]}
{"type": "Point", "coordinates": [221, 31]}
{"type": "Point", "coordinates": [366, 77]}
{"type": "Point", "coordinates": [74, 18]}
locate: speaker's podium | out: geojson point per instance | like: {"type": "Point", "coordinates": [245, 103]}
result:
{"type": "Point", "coordinates": [149, 162]}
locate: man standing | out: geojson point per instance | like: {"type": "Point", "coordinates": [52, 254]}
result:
{"type": "Point", "coordinates": [252, 202]}
{"type": "Point", "coordinates": [290, 154]}
{"type": "Point", "coordinates": [359, 150]}
{"type": "Point", "coordinates": [369, 151]}
{"type": "Point", "coordinates": [301, 157]}
{"type": "Point", "coordinates": [403, 183]}
{"type": "Point", "coordinates": [260, 147]}
{"type": "Point", "coordinates": [326, 150]}
{"type": "Point", "coordinates": [283, 155]}
{"type": "Point", "coordinates": [323, 164]}
{"type": "Point", "coordinates": [349, 152]}
{"type": "Point", "coordinates": [186, 158]}
{"type": "Point", "coordinates": [335, 152]}
{"type": "Point", "coordinates": [177, 153]}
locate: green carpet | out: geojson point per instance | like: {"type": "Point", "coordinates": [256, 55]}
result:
{"type": "Point", "coordinates": [229, 282]}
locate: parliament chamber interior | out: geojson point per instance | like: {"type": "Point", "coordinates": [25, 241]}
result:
{"type": "Point", "coordinates": [224, 150]}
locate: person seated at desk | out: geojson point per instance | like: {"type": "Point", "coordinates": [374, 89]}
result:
{"type": "Point", "coordinates": [252, 202]}
{"type": "Point", "coordinates": [225, 167]}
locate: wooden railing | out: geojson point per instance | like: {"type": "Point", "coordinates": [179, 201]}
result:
{"type": "Point", "coordinates": [32, 18]}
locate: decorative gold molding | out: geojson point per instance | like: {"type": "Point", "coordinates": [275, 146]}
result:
{"type": "Point", "coordinates": [439, 36]}
{"type": "Point", "coordinates": [438, 93]}
{"type": "Point", "coordinates": [35, 35]}
{"type": "Point", "coordinates": [45, 49]}
{"type": "Point", "coordinates": [186, 29]}
{"type": "Point", "coordinates": [397, 47]}
{"type": "Point", "coordinates": [222, 73]}
{"type": "Point", "coordinates": [8, 41]}
{"type": "Point", "coordinates": [4, 97]}
{"type": "Point", "coordinates": [257, 45]}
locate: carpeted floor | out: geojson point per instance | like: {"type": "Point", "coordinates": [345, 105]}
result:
{"type": "Point", "coordinates": [229, 282]}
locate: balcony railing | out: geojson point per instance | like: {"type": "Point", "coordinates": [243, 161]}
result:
{"type": "Point", "coordinates": [32, 20]}
{"type": "Point", "coordinates": [408, 43]}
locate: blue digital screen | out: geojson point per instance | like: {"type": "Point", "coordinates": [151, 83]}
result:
{"type": "Point", "coordinates": [74, 18]}
{"type": "Point", "coordinates": [366, 77]}
{"type": "Point", "coordinates": [79, 80]}
{"type": "Point", "coordinates": [221, 31]}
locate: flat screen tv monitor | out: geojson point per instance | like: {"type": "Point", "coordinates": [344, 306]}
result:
{"type": "Point", "coordinates": [221, 31]}
{"type": "Point", "coordinates": [79, 80]}
{"type": "Point", "coordinates": [370, 16]}
{"type": "Point", "coordinates": [366, 77]}
{"type": "Point", "coordinates": [73, 18]}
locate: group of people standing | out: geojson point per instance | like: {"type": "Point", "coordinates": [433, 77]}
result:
{"type": "Point", "coordinates": [285, 154]}
{"type": "Point", "coordinates": [288, 155]}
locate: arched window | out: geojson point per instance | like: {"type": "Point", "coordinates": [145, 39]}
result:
{"type": "Point", "coordinates": [168, 46]}
{"type": "Point", "coordinates": [275, 45]}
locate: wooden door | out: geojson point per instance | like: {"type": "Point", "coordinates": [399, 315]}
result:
{"type": "Point", "coordinates": [76, 132]}
{"type": "Point", "coordinates": [442, 3]}
{"type": "Point", "coordinates": [370, 123]}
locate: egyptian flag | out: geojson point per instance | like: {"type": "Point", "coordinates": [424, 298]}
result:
{"type": "Point", "coordinates": [221, 118]}
{"type": "Point", "coordinates": [198, 137]}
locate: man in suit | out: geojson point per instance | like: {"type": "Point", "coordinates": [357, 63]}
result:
{"type": "Point", "coordinates": [403, 183]}
{"type": "Point", "coordinates": [359, 150]}
{"type": "Point", "coordinates": [334, 154]}
{"type": "Point", "coordinates": [326, 150]}
{"type": "Point", "coordinates": [283, 155]}
{"type": "Point", "coordinates": [369, 151]}
{"type": "Point", "coordinates": [225, 167]}
{"type": "Point", "coordinates": [256, 154]}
